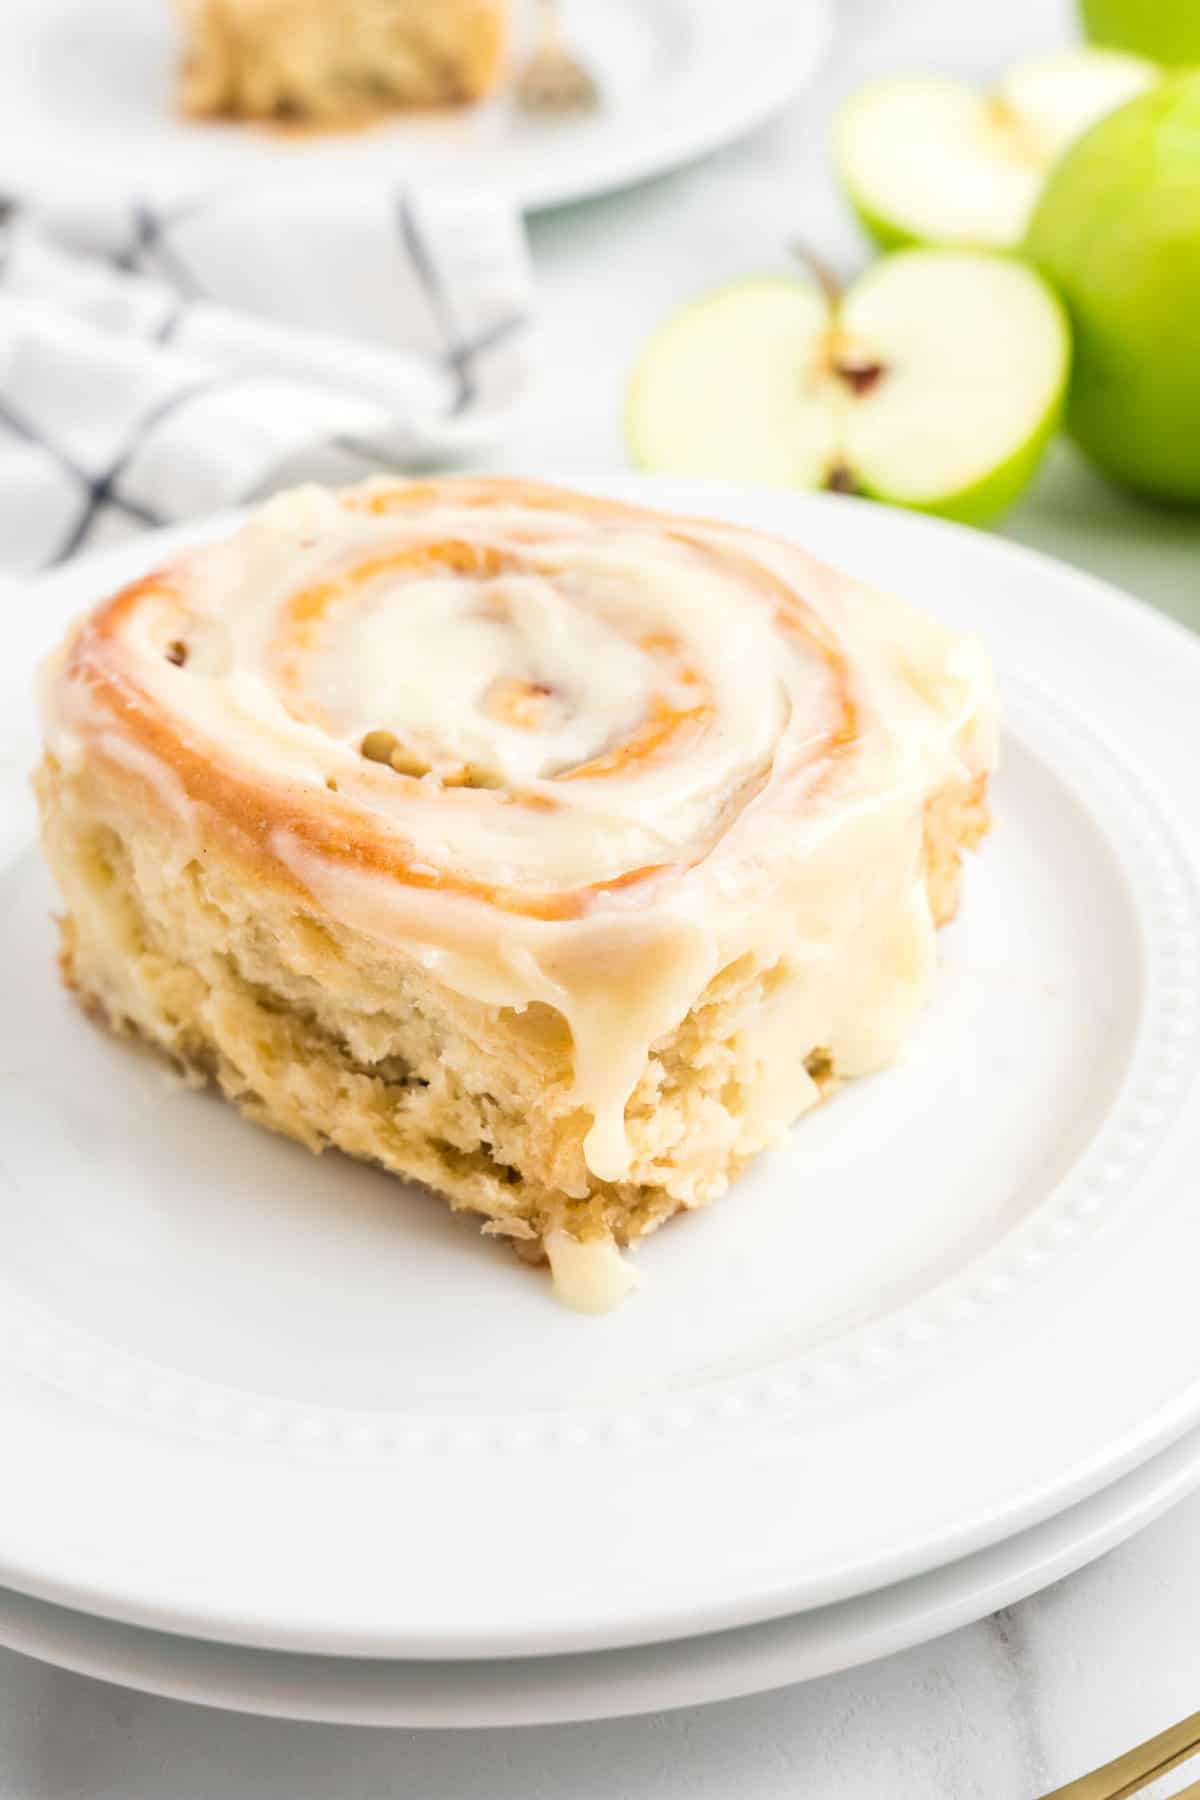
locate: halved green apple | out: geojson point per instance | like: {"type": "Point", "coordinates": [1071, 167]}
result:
{"type": "Point", "coordinates": [934, 382]}
{"type": "Point", "coordinates": [927, 160]}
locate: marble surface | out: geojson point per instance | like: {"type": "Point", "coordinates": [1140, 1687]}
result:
{"type": "Point", "coordinates": [1004, 1709]}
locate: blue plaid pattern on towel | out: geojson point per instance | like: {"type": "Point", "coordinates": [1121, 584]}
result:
{"type": "Point", "coordinates": [159, 364]}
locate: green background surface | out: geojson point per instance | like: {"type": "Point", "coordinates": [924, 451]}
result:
{"type": "Point", "coordinates": [1154, 551]}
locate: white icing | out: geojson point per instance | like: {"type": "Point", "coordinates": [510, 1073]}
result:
{"type": "Point", "coordinates": [764, 844]}
{"type": "Point", "coordinates": [157, 774]}
{"type": "Point", "coordinates": [424, 671]}
{"type": "Point", "coordinates": [589, 1277]}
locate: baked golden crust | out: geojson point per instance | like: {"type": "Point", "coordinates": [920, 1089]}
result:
{"type": "Point", "coordinates": [433, 936]}
{"type": "Point", "coordinates": [337, 62]}
{"type": "Point", "coordinates": [308, 1030]}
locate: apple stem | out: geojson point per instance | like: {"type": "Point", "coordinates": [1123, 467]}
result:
{"type": "Point", "coordinates": [821, 273]}
{"type": "Point", "coordinates": [856, 367]}
{"type": "Point", "coordinates": [839, 479]}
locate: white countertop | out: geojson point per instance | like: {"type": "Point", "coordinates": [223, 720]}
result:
{"type": "Point", "coordinates": [1001, 1710]}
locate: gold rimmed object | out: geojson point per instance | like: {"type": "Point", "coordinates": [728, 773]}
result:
{"type": "Point", "coordinates": [1129, 1773]}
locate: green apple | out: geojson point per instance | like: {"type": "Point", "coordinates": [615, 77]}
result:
{"type": "Point", "coordinates": [1118, 232]}
{"type": "Point", "coordinates": [934, 382]}
{"type": "Point", "coordinates": [927, 160]}
{"type": "Point", "coordinates": [1168, 30]}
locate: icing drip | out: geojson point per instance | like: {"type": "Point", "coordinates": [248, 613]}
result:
{"type": "Point", "coordinates": [589, 1277]}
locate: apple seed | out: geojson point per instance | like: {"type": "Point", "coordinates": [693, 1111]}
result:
{"type": "Point", "coordinates": [840, 479]}
{"type": "Point", "coordinates": [857, 369]}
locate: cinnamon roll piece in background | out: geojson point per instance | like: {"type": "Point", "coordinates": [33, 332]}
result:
{"type": "Point", "coordinates": [336, 62]}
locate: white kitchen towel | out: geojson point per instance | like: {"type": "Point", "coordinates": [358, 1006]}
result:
{"type": "Point", "coordinates": [155, 365]}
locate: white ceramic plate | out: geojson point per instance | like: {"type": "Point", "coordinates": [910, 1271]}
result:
{"type": "Point", "coordinates": [87, 97]}
{"type": "Point", "coordinates": [605, 1684]}
{"type": "Point", "coordinates": [249, 1395]}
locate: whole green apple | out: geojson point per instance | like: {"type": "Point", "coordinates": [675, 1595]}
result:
{"type": "Point", "coordinates": [1117, 231]}
{"type": "Point", "coordinates": [1166, 30]}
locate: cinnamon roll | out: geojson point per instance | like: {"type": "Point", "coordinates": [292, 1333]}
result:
{"type": "Point", "coordinates": [551, 852]}
{"type": "Point", "coordinates": [329, 63]}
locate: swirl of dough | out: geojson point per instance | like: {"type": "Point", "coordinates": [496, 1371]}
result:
{"type": "Point", "coordinates": [558, 748]}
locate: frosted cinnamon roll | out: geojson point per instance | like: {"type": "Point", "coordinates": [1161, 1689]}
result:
{"type": "Point", "coordinates": [551, 852]}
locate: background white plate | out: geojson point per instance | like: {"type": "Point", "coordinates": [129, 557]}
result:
{"type": "Point", "coordinates": [87, 104]}
{"type": "Point", "coordinates": [556, 1690]}
{"type": "Point", "coordinates": [277, 1401]}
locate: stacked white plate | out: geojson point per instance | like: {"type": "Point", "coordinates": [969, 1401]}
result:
{"type": "Point", "coordinates": [283, 1435]}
